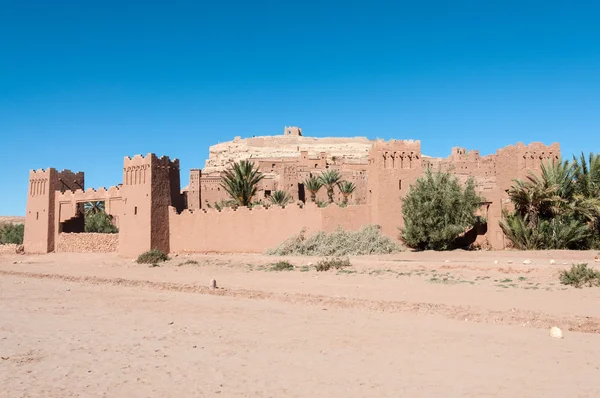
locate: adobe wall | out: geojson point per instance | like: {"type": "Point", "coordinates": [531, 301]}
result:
{"type": "Point", "coordinates": [87, 243]}
{"type": "Point", "coordinates": [149, 188]}
{"type": "Point", "coordinates": [256, 230]}
{"type": "Point", "coordinates": [393, 167]}
{"type": "Point", "coordinates": [39, 217]}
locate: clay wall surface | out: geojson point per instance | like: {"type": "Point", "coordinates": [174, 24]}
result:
{"type": "Point", "coordinates": [39, 217]}
{"type": "Point", "coordinates": [8, 248]}
{"type": "Point", "coordinates": [135, 231]}
{"type": "Point", "coordinates": [393, 167]}
{"type": "Point", "coordinates": [256, 230]}
{"type": "Point", "coordinates": [148, 207]}
{"type": "Point", "coordinates": [87, 243]}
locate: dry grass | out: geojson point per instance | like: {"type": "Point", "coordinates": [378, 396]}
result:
{"type": "Point", "coordinates": [369, 240]}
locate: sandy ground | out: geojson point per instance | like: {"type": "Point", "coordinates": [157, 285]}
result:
{"type": "Point", "coordinates": [411, 324]}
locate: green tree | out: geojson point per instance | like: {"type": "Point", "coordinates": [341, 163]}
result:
{"type": "Point", "coordinates": [241, 182]}
{"type": "Point", "coordinates": [329, 179]}
{"type": "Point", "coordinates": [280, 198]}
{"type": "Point", "coordinates": [437, 210]}
{"type": "Point", "coordinates": [347, 188]}
{"type": "Point", "coordinates": [11, 233]}
{"type": "Point", "coordinates": [313, 185]}
{"type": "Point", "coordinates": [100, 223]}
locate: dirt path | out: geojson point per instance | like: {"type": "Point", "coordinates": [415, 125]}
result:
{"type": "Point", "coordinates": [97, 325]}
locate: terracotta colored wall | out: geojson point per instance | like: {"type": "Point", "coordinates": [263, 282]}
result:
{"type": "Point", "coordinates": [256, 230]}
{"type": "Point", "coordinates": [145, 206]}
{"type": "Point", "coordinates": [39, 217]}
{"type": "Point", "coordinates": [87, 243]}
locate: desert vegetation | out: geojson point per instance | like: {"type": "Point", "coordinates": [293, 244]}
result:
{"type": "Point", "coordinates": [437, 210]}
{"type": "Point", "coordinates": [11, 233]}
{"type": "Point", "coordinates": [153, 256]}
{"type": "Point", "coordinates": [580, 275]}
{"type": "Point", "coordinates": [558, 208]}
{"type": "Point", "coordinates": [97, 220]}
{"type": "Point", "coordinates": [241, 182]}
{"type": "Point", "coordinates": [369, 240]}
{"type": "Point", "coordinates": [333, 263]}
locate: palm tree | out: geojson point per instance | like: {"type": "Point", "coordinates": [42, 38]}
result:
{"type": "Point", "coordinates": [312, 185]}
{"type": "Point", "coordinates": [280, 198]}
{"type": "Point", "coordinates": [347, 188]}
{"type": "Point", "coordinates": [587, 175]}
{"type": "Point", "coordinates": [241, 182]}
{"type": "Point", "coordinates": [93, 208]}
{"type": "Point", "coordinates": [330, 179]}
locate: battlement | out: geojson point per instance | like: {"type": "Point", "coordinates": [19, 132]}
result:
{"type": "Point", "coordinates": [90, 194]}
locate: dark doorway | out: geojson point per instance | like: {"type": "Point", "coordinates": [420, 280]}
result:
{"type": "Point", "coordinates": [301, 194]}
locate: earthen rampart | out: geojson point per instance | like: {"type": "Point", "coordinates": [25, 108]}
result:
{"type": "Point", "coordinates": [87, 243]}
{"type": "Point", "coordinates": [151, 211]}
{"type": "Point", "coordinates": [245, 230]}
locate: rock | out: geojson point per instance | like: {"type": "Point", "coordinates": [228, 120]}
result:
{"type": "Point", "coordinates": [447, 261]}
{"type": "Point", "coordinates": [213, 284]}
{"type": "Point", "coordinates": [552, 262]}
{"type": "Point", "coordinates": [20, 249]}
{"type": "Point", "coordinates": [496, 262]}
{"type": "Point", "coordinates": [596, 259]}
{"type": "Point", "coordinates": [556, 333]}
{"type": "Point", "coordinates": [527, 262]}
{"type": "Point", "coordinates": [509, 261]}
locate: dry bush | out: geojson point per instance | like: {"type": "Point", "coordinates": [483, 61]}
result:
{"type": "Point", "coordinates": [369, 240]}
{"type": "Point", "coordinates": [282, 266]}
{"type": "Point", "coordinates": [580, 275]}
{"type": "Point", "coordinates": [153, 257]}
{"type": "Point", "coordinates": [336, 263]}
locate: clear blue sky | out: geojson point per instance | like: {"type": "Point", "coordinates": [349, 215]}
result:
{"type": "Point", "coordinates": [84, 83]}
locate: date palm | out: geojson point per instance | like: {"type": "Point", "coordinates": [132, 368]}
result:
{"type": "Point", "coordinates": [313, 185]}
{"type": "Point", "coordinates": [329, 179]}
{"type": "Point", "coordinates": [347, 188]}
{"type": "Point", "coordinates": [241, 182]}
{"type": "Point", "coordinates": [280, 198]}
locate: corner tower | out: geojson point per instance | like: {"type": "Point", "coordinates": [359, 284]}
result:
{"type": "Point", "coordinates": [150, 186]}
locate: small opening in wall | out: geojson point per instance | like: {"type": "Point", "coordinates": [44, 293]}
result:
{"type": "Point", "coordinates": [37, 215]}
{"type": "Point", "coordinates": [400, 185]}
{"type": "Point", "coordinates": [135, 211]}
{"type": "Point", "coordinates": [267, 193]}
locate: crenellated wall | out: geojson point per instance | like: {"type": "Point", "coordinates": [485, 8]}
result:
{"type": "Point", "coordinates": [255, 230]}
{"type": "Point", "coordinates": [151, 211]}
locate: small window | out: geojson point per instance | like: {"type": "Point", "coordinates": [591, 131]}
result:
{"type": "Point", "coordinates": [316, 165]}
{"type": "Point", "coordinates": [135, 211]}
{"type": "Point", "coordinates": [37, 215]}
{"type": "Point", "coordinates": [273, 166]}
{"type": "Point", "coordinates": [400, 185]}
{"type": "Point", "coordinates": [267, 193]}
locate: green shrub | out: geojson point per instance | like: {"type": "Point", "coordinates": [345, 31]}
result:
{"type": "Point", "coordinates": [100, 223]}
{"type": "Point", "coordinates": [437, 210]}
{"type": "Point", "coordinates": [336, 263]}
{"type": "Point", "coordinates": [369, 240]}
{"type": "Point", "coordinates": [580, 275]}
{"type": "Point", "coordinates": [12, 233]}
{"type": "Point", "coordinates": [556, 233]}
{"type": "Point", "coordinates": [557, 207]}
{"type": "Point", "coordinates": [152, 257]}
{"type": "Point", "coordinates": [282, 266]}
